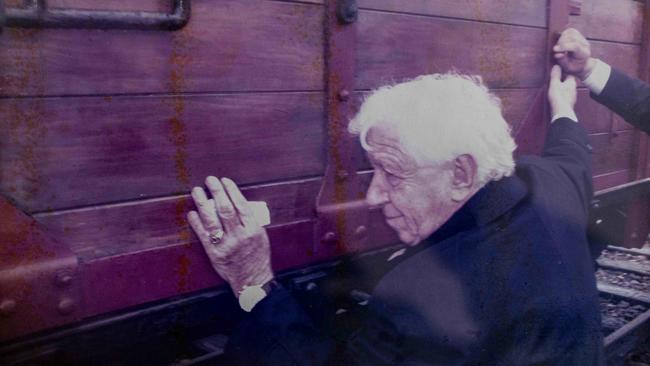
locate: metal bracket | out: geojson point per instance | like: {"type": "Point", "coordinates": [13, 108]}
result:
{"type": "Point", "coordinates": [38, 284]}
{"type": "Point", "coordinates": [342, 213]}
{"type": "Point", "coordinates": [575, 7]}
{"type": "Point", "coordinates": [36, 14]}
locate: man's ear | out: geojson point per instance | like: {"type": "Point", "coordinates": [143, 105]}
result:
{"type": "Point", "coordinates": [464, 177]}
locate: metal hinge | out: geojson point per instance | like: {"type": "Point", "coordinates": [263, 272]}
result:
{"type": "Point", "coordinates": [36, 14]}
{"type": "Point", "coordinates": [39, 279]}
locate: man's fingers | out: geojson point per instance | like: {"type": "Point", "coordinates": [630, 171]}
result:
{"type": "Point", "coordinates": [196, 224]}
{"type": "Point", "coordinates": [571, 81]}
{"type": "Point", "coordinates": [206, 209]}
{"type": "Point", "coordinates": [225, 209]}
{"type": "Point", "coordinates": [556, 74]}
{"type": "Point", "coordinates": [240, 202]}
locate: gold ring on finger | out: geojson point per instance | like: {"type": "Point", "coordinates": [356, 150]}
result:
{"type": "Point", "coordinates": [216, 236]}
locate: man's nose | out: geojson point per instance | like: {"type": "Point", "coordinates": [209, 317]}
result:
{"type": "Point", "coordinates": [377, 194]}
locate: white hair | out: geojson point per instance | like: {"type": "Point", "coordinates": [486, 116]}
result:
{"type": "Point", "coordinates": [440, 117]}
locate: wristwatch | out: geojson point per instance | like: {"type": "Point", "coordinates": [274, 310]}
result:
{"type": "Point", "coordinates": [249, 296]}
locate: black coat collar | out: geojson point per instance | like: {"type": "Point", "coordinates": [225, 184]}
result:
{"type": "Point", "coordinates": [489, 203]}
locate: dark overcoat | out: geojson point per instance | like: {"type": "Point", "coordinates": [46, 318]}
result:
{"type": "Point", "coordinates": [628, 97]}
{"type": "Point", "coordinates": [508, 280]}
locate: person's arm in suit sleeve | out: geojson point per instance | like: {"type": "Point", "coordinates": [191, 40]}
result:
{"type": "Point", "coordinates": [277, 330]}
{"type": "Point", "coordinates": [626, 96]}
{"type": "Point", "coordinates": [567, 143]}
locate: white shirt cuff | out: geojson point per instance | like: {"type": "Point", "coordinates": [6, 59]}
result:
{"type": "Point", "coordinates": [567, 113]}
{"type": "Point", "coordinates": [597, 80]}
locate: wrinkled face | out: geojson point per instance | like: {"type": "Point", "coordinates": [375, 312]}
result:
{"type": "Point", "coordinates": [416, 198]}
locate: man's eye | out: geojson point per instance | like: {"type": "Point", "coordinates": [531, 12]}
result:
{"type": "Point", "coordinates": [392, 179]}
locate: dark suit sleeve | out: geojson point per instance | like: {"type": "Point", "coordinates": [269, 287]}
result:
{"type": "Point", "coordinates": [279, 332]}
{"type": "Point", "coordinates": [628, 97]}
{"type": "Point", "coordinates": [567, 146]}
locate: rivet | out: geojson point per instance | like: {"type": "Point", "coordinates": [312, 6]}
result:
{"type": "Point", "coordinates": [342, 174]}
{"type": "Point", "coordinates": [344, 95]}
{"type": "Point", "coordinates": [66, 306]}
{"type": "Point", "coordinates": [634, 235]}
{"type": "Point", "coordinates": [360, 231]}
{"type": "Point", "coordinates": [64, 279]}
{"type": "Point", "coordinates": [329, 236]}
{"type": "Point", "coordinates": [7, 307]}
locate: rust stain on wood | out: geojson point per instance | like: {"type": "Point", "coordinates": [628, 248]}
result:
{"type": "Point", "coordinates": [178, 61]}
{"type": "Point", "coordinates": [24, 125]}
{"type": "Point", "coordinates": [497, 60]}
{"type": "Point", "coordinates": [183, 272]}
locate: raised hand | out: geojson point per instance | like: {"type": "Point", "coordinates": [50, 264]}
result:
{"type": "Point", "coordinates": [562, 95]}
{"type": "Point", "coordinates": [573, 53]}
{"type": "Point", "coordinates": [238, 247]}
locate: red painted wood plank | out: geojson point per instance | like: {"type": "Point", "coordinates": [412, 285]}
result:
{"type": "Point", "coordinates": [622, 56]}
{"type": "Point", "coordinates": [71, 152]}
{"type": "Point", "coordinates": [111, 230]}
{"type": "Point", "coordinates": [526, 12]}
{"type": "Point", "coordinates": [228, 45]}
{"type": "Point", "coordinates": [393, 47]}
{"type": "Point", "coordinates": [594, 116]}
{"type": "Point", "coordinates": [611, 179]}
{"type": "Point", "coordinates": [612, 152]}
{"type": "Point", "coordinates": [117, 282]}
{"type": "Point", "coordinates": [620, 124]}
{"type": "Point", "coordinates": [107, 230]}
{"type": "Point", "coordinates": [601, 19]}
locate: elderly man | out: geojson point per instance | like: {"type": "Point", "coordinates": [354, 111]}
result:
{"type": "Point", "coordinates": [496, 270]}
{"type": "Point", "coordinates": [626, 96]}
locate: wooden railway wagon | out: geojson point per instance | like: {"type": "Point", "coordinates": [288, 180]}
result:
{"type": "Point", "coordinates": [112, 111]}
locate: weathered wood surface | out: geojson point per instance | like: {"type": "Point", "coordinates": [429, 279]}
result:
{"type": "Point", "coordinates": [228, 45]}
{"type": "Point", "coordinates": [69, 152]}
{"type": "Point", "coordinates": [115, 229]}
{"type": "Point", "coordinates": [184, 268]}
{"type": "Point", "coordinates": [393, 47]}
{"type": "Point", "coordinates": [521, 12]}
{"type": "Point", "coordinates": [612, 152]}
{"type": "Point", "coordinates": [620, 21]}
{"type": "Point", "coordinates": [612, 179]}
{"type": "Point", "coordinates": [105, 132]}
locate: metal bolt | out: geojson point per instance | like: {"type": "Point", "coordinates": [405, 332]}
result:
{"type": "Point", "coordinates": [66, 306]}
{"type": "Point", "coordinates": [634, 236]}
{"type": "Point", "coordinates": [342, 175]}
{"type": "Point", "coordinates": [347, 11]}
{"type": "Point", "coordinates": [7, 307]}
{"type": "Point", "coordinates": [344, 95]}
{"type": "Point", "coordinates": [360, 231]}
{"type": "Point", "coordinates": [329, 236]}
{"type": "Point", "coordinates": [64, 279]}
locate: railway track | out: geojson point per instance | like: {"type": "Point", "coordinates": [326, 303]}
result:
{"type": "Point", "coordinates": [624, 285]}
